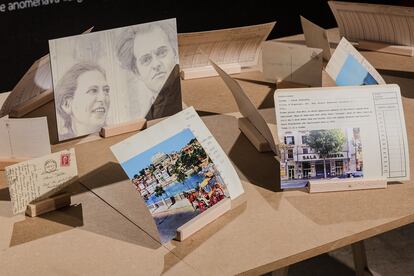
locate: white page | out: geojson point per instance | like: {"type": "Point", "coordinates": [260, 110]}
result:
{"type": "Point", "coordinates": [39, 178]}
{"type": "Point", "coordinates": [24, 138]}
{"type": "Point", "coordinates": [226, 46]}
{"type": "Point", "coordinates": [283, 61]}
{"type": "Point", "coordinates": [316, 37]}
{"type": "Point", "coordinates": [373, 113]}
{"type": "Point", "coordinates": [372, 22]}
{"type": "Point", "coordinates": [348, 67]}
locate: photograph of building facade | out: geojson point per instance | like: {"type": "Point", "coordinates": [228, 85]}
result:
{"type": "Point", "coordinates": [310, 155]}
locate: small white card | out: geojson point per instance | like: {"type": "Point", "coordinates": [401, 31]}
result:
{"type": "Point", "coordinates": [283, 61]}
{"type": "Point", "coordinates": [24, 138]}
{"type": "Point", "coordinates": [39, 178]}
{"type": "Point", "coordinates": [348, 67]}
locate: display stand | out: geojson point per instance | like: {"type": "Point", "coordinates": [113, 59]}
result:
{"type": "Point", "coordinates": [208, 71]}
{"type": "Point", "coordinates": [347, 184]}
{"type": "Point", "coordinates": [32, 104]}
{"type": "Point", "coordinates": [203, 219]}
{"type": "Point", "coordinates": [327, 81]}
{"type": "Point", "coordinates": [47, 205]}
{"type": "Point", "coordinates": [253, 135]}
{"type": "Point", "coordinates": [121, 128]}
{"type": "Point", "coordinates": [10, 161]}
{"type": "Point", "coordinates": [386, 48]}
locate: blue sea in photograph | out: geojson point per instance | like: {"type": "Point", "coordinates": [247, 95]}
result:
{"type": "Point", "coordinates": [353, 73]}
{"type": "Point", "coordinates": [176, 188]}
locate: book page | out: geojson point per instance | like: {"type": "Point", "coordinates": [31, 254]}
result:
{"type": "Point", "coordinates": [283, 61]}
{"type": "Point", "coordinates": [227, 46]}
{"type": "Point", "coordinates": [364, 125]}
{"type": "Point", "coordinates": [37, 80]}
{"type": "Point", "coordinates": [372, 22]}
{"type": "Point", "coordinates": [24, 138]}
{"type": "Point", "coordinates": [39, 178]}
{"type": "Point", "coordinates": [179, 170]}
{"type": "Point", "coordinates": [348, 67]}
{"type": "Point", "coordinates": [316, 37]}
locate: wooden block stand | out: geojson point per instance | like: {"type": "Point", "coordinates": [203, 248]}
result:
{"type": "Point", "coordinates": [347, 184]}
{"type": "Point", "coordinates": [126, 127]}
{"type": "Point", "coordinates": [208, 71]}
{"type": "Point", "coordinates": [203, 219]}
{"type": "Point", "coordinates": [254, 136]}
{"type": "Point", "coordinates": [47, 205]}
{"type": "Point", "coordinates": [386, 48]}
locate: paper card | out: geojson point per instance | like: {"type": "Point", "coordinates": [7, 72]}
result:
{"type": "Point", "coordinates": [115, 76]}
{"type": "Point", "coordinates": [284, 61]}
{"type": "Point", "coordinates": [341, 132]}
{"type": "Point", "coordinates": [40, 178]}
{"type": "Point", "coordinates": [372, 22]}
{"type": "Point", "coordinates": [179, 169]}
{"type": "Point", "coordinates": [3, 98]}
{"type": "Point", "coordinates": [247, 109]}
{"type": "Point", "coordinates": [36, 81]}
{"type": "Point", "coordinates": [316, 37]}
{"type": "Point", "coordinates": [226, 46]}
{"type": "Point", "coordinates": [24, 138]}
{"type": "Point", "coordinates": [348, 67]}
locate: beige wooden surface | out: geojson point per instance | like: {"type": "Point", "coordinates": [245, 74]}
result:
{"type": "Point", "coordinates": [109, 231]}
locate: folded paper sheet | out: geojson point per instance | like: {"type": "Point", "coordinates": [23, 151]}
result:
{"type": "Point", "coordinates": [316, 37]}
{"type": "Point", "coordinates": [371, 22]}
{"type": "Point", "coordinates": [121, 74]}
{"type": "Point", "coordinates": [341, 132]}
{"type": "Point", "coordinates": [283, 61]}
{"type": "Point", "coordinates": [179, 169]}
{"type": "Point", "coordinates": [227, 46]}
{"type": "Point", "coordinates": [39, 178]}
{"type": "Point", "coordinates": [35, 82]}
{"type": "Point", "coordinates": [247, 109]}
{"type": "Point", "coordinates": [348, 67]}
{"type": "Point", "coordinates": [24, 138]}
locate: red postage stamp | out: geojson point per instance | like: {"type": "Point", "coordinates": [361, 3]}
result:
{"type": "Point", "coordinates": [65, 160]}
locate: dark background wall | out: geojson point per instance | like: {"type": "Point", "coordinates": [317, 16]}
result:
{"type": "Point", "coordinates": [25, 32]}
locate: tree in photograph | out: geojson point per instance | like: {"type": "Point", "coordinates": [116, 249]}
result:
{"type": "Point", "coordinates": [326, 142]}
{"type": "Point", "coordinates": [159, 191]}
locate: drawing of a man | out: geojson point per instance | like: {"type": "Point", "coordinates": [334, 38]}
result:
{"type": "Point", "coordinates": [150, 52]}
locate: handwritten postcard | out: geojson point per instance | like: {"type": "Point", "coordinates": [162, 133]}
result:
{"type": "Point", "coordinates": [36, 179]}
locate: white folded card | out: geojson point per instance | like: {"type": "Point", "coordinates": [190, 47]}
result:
{"type": "Point", "coordinates": [341, 132]}
{"type": "Point", "coordinates": [283, 61]}
{"type": "Point", "coordinates": [39, 178]}
{"type": "Point", "coordinates": [179, 170]}
{"type": "Point", "coordinates": [348, 67]}
{"type": "Point", "coordinates": [316, 37]}
{"type": "Point", "coordinates": [24, 138]}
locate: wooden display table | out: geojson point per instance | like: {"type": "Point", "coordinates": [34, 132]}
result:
{"type": "Point", "coordinates": [108, 229]}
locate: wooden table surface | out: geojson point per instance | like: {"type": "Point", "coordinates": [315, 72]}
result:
{"type": "Point", "coordinates": [108, 230]}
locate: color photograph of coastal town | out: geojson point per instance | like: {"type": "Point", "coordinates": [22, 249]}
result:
{"type": "Point", "coordinates": [177, 181]}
